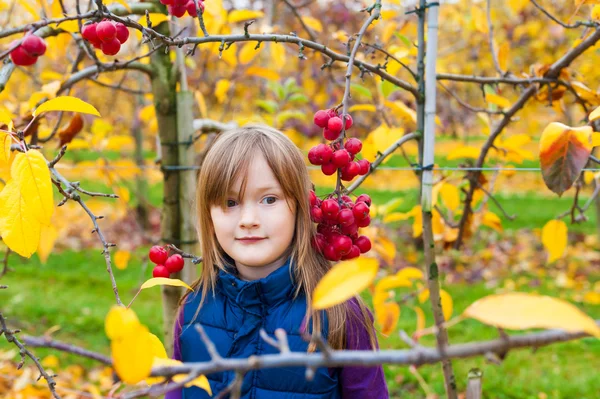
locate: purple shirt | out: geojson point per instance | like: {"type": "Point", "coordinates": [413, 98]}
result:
{"type": "Point", "coordinates": [357, 382]}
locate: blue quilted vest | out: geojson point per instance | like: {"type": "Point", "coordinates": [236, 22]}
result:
{"type": "Point", "coordinates": [233, 318]}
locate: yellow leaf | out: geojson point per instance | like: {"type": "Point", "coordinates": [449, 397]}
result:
{"type": "Point", "coordinates": [50, 361]}
{"type": "Point", "coordinates": [248, 52]}
{"type": "Point", "coordinates": [120, 321]}
{"type": "Point", "coordinates": [447, 304]}
{"type": "Point", "coordinates": [48, 236]}
{"type": "Point", "coordinates": [121, 259]}
{"type": "Point", "coordinates": [278, 58]}
{"type": "Point", "coordinates": [391, 282]}
{"type": "Point", "coordinates": [479, 19]}
{"type": "Point", "coordinates": [363, 107]}
{"type": "Point", "coordinates": [200, 382]}
{"type": "Point", "coordinates": [410, 273]}
{"type": "Point", "coordinates": [19, 229]}
{"type": "Point", "coordinates": [343, 281]}
{"type": "Point", "coordinates": [157, 348]}
{"type": "Point", "coordinates": [31, 172]}
{"type": "Point", "coordinates": [588, 177]}
{"type": "Point", "coordinates": [243, 15]}
{"type": "Point", "coordinates": [492, 220]}
{"type": "Point", "coordinates": [450, 196]}
{"type": "Point", "coordinates": [595, 114]}
{"type": "Point", "coordinates": [497, 100]}
{"type": "Point", "coordinates": [68, 26]}
{"type": "Point", "coordinates": [32, 10]}
{"type": "Point", "coordinates": [593, 298]}
{"type": "Point", "coordinates": [387, 315]}
{"type": "Point", "coordinates": [221, 89]}
{"type": "Point", "coordinates": [596, 12]}
{"type": "Point", "coordinates": [464, 152]}
{"type": "Point", "coordinates": [153, 282]}
{"type": "Point", "coordinates": [155, 19]}
{"type": "Point", "coordinates": [66, 103]}
{"type": "Point", "coordinates": [5, 142]}
{"type": "Point", "coordinates": [519, 311]}
{"type": "Point", "coordinates": [201, 103]}
{"type": "Point", "coordinates": [386, 248]}
{"type": "Point", "coordinates": [402, 111]}
{"type": "Point", "coordinates": [262, 73]}
{"type": "Point", "coordinates": [119, 142]}
{"type": "Point", "coordinates": [595, 139]}
{"type": "Point", "coordinates": [313, 23]}
{"type": "Point", "coordinates": [554, 238]}
{"type": "Point", "coordinates": [503, 54]}
{"type": "Point", "coordinates": [132, 355]}
{"type": "Point", "coordinates": [420, 318]}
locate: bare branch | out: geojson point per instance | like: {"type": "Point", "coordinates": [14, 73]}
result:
{"type": "Point", "coordinates": [491, 38]}
{"type": "Point", "coordinates": [568, 26]}
{"type": "Point", "coordinates": [45, 342]}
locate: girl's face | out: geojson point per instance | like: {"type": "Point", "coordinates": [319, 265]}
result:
{"type": "Point", "coordinates": [263, 215]}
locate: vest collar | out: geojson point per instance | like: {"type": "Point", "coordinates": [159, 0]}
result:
{"type": "Point", "coordinates": [267, 291]}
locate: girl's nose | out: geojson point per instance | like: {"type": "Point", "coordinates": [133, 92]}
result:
{"type": "Point", "coordinates": [249, 217]}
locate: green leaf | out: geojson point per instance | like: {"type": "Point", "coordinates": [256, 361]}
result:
{"type": "Point", "coordinates": [290, 85]}
{"type": "Point", "coordinates": [268, 105]}
{"type": "Point", "coordinates": [282, 117]}
{"type": "Point", "coordinates": [362, 90]}
{"type": "Point", "coordinates": [404, 39]}
{"type": "Point", "coordinates": [277, 88]}
{"type": "Point", "coordinates": [388, 88]}
{"type": "Point", "coordinates": [298, 98]}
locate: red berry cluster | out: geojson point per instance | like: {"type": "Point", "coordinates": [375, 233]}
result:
{"type": "Point", "coordinates": [28, 51]}
{"type": "Point", "coordinates": [332, 157]}
{"type": "Point", "coordinates": [337, 231]}
{"type": "Point", "coordinates": [178, 8]}
{"type": "Point", "coordinates": [165, 264]}
{"type": "Point", "coordinates": [106, 35]}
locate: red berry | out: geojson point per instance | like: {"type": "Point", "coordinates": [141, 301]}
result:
{"type": "Point", "coordinates": [316, 214]}
{"type": "Point", "coordinates": [345, 217]}
{"type": "Point", "coordinates": [160, 271]}
{"type": "Point", "coordinates": [34, 45]}
{"type": "Point", "coordinates": [331, 254]}
{"type": "Point", "coordinates": [106, 31]}
{"type": "Point", "coordinates": [167, 2]}
{"type": "Point", "coordinates": [330, 208]}
{"type": "Point", "coordinates": [313, 198]}
{"type": "Point", "coordinates": [158, 255]}
{"type": "Point", "coordinates": [330, 134]}
{"type": "Point", "coordinates": [363, 243]}
{"type": "Point", "coordinates": [364, 222]}
{"type": "Point", "coordinates": [122, 32]}
{"type": "Point", "coordinates": [111, 47]}
{"type": "Point", "coordinates": [20, 57]}
{"type": "Point", "coordinates": [364, 198]}
{"type": "Point", "coordinates": [335, 125]}
{"type": "Point", "coordinates": [89, 32]}
{"type": "Point", "coordinates": [321, 117]}
{"type": "Point", "coordinates": [174, 263]}
{"type": "Point", "coordinates": [364, 167]}
{"type": "Point", "coordinates": [350, 230]}
{"type": "Point", "coordinates": [353, 253]}
{"type": "Point", "coordinates": [350, 171]}
{"type": "Point", "coordinates": [332, 113]}
{"type": "Point", "coordinates": [342, 244]}
{"type": "Point", "coordinates": [360, 211]}
{"type": "Point", "coordinates": [349, 121]}
{"type": "Point", "coordinates": [340, 158]}
{"type": "Point", "coordinates": [191, 8]}
{"type": "Point", "coordinates": [319, 243]}
{"type": "Point", "coordinates": [177, 11]}
{"type": "Point", "coordinates": [353, 145]}
{"type": "Point", "coordinates": [328, 168]}
{"type": "Point", "coordinates": [320, 154]}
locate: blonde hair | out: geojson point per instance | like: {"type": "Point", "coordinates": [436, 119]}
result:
{"type": "Point", "coordinates": [226, 161]}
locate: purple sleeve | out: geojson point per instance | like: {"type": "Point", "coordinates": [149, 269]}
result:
{"type": "Point", "coordinates": [176, 394]}
{"type": "Point", "coordinates": [357, 381]}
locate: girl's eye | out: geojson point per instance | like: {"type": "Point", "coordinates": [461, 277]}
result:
{"type": "Point", "coordinates": [230, 203]}
{"type": "Point", "coordinates": [273, 199]}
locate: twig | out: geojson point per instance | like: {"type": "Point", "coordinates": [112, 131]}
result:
{"type": "Point", "coordinates": [506, 215]}
{"type": "Point", "coordinates": [469, 107]}
{"type": "Point", "coordinates": [11, 338]}
{"type": "Point", "coordinates": [5, 268]}
{"type": "Point", "coordinates": [491, 38]}
{"type": "Point", "coordinates": [568, 26]}
{"type": "Point", "coordinates": [210, 346]}
{"type": "Point", "coordinates": [44, 342]}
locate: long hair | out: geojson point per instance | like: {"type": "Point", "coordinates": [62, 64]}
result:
{"type": "Point", "coordinates": [226, 161]}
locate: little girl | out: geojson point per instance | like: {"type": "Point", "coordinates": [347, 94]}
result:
{"type": "Point", "coordinates": [259, 272]}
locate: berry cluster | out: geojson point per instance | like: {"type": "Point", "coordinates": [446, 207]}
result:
{"type": "Point", "coordinates": [337, 231]}
{"type": "Point", "coordinates": [165, 264]}
{"type": "Point", "coordinates": [28, 51]}
{"type": "Point", "coordinates": [106, 35]}
{"type": "Point", "coordinates": [332, 157]}
{"type": "Point", "coordinates": [178, 8]}
{"type": "Point", "coordinates": [339, 219]}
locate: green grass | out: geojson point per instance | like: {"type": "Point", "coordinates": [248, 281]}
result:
{"type": "Point", "coordinates": [72, 291]}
